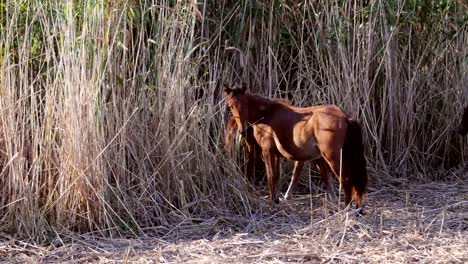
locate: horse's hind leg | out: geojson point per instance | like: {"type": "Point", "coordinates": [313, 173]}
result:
{"type": "Point", "coordinates": [295, 177]}
{"type": "Point", "coordinates": [357, 198]}
{"type": "Point", "coordinates": [347, 191]}
{"type": "Point", "coordinates": [322, 167]}
{"type": "Point", "coordinates": [333, 159]}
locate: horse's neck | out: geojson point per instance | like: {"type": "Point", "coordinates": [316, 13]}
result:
{"type": "Point", "coordinates": [275, 112]}
{"type": "Point", "coordinates": [258, 101]}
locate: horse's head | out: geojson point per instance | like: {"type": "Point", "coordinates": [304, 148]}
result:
{"type": "Point", "coordinates": [237, 102]}
{"type": "Point", "coordinates": [463, 127]}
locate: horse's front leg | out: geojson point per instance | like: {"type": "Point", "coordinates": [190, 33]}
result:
{"type": "Point", "coordinates": [270, 165]}
{"type": "Point", "coordinates": [295, 177]}
{"type": "Point", "coordinates": [251, 160]}
{"type": "Point", "coordinates": [276, 175]}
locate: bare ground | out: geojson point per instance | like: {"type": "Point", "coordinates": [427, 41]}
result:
{"type": "Point", "coordinates": [417, 222]}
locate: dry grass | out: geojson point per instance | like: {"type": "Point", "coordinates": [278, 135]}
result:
{"type": "Point", "coordinates": [427, 223]}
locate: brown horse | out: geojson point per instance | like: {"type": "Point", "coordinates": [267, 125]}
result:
{"type": "Point", "coordinates": [253, 157]}
{"type": "Point", "coordinates": [463, 127]}
{"type": "Point", "coordinates": [303, 134]}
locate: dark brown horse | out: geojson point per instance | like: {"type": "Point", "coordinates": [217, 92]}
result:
{"type": "Point", "coordinates": [248, 152]}
{"type": "Point", "coordinates": [303, 134]}
{"type": "Point", "coordinates": [463, 127]}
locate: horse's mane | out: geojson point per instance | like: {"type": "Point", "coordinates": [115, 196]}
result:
{"type": "Point", "coordinates": [283, 101]}
{"type": "Point", "coordinates": [270, 102]}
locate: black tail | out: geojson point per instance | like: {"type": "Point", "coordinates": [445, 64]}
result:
{"type": "Point", "coordinates": [353, 158]}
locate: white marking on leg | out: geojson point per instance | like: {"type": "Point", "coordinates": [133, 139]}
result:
{"type": "Point", "coordinates": [288, 192]}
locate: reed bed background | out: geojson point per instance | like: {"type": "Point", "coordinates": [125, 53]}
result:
{"type": "Point", "coordinates": [112, 116]}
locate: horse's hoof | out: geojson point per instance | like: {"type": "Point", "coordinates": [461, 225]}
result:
{"type": "Point", "coordinates": [359, 211]}
{"type": "Point", "coordinates": [276, 200]}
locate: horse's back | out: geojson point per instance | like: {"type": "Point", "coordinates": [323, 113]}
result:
{"type": "Point", "coordinates": [331, 110]}
{"type": "Point", "coordinates": [329, 118]}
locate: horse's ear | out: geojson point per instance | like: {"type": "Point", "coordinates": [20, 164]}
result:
{"type": "Point", "coordinates": [243, 87]}
{"type": "Point", "coordinates": [227, 90]}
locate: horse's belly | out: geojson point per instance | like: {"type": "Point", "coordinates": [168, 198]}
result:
{"type": "Point", "coordinates": [307, 150]}
{"type": "Point", "coordinates": [310, 150]}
